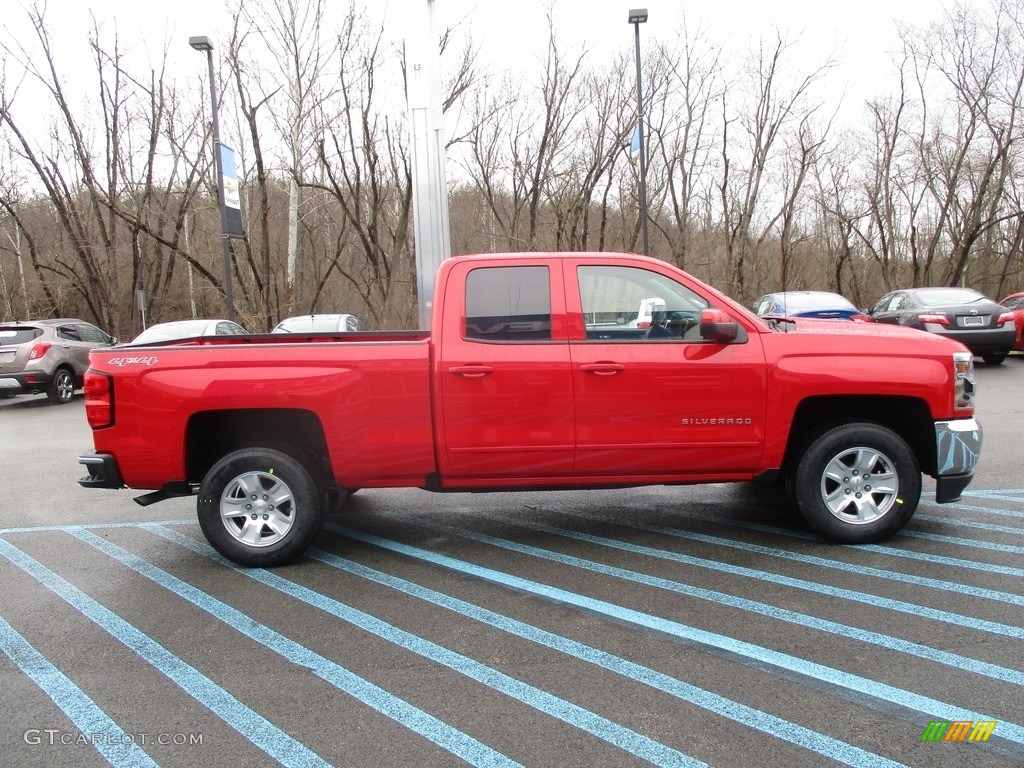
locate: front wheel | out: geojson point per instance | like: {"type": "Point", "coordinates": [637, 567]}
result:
{"type": "Point", "coordinates": [260, 507]}
{"type": "Point", "coordinates": [857, 483]}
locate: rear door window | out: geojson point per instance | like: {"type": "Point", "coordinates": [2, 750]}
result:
{"type": "Point", "coordinates": [508, 304]}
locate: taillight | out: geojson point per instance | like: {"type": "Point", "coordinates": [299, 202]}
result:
{"type": "Point", "coordinates": [99, 400]}
{"type": "Point", "coordinates": [938, 319]}
{"type": "Point", "coordinates": [862, 318]}
{"type": "Point", "coordinates": [39, 350]}
{"type": "Point", "coordinates": [1006, 317]}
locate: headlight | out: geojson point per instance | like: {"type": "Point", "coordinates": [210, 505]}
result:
{"type": "Point", "coordinates": [963, 388]}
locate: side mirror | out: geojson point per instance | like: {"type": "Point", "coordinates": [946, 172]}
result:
{"type": "Point", "coordinates": [716, 325]}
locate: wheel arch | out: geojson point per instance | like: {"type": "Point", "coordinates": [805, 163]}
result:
{"type": "Point", "coordinates": [908, 417]}
{"type": "Point", "coordinates": [58, 371]}
{"type": "Point", "coordinates": [211, 435]}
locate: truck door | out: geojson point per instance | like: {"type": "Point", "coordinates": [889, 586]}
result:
{"type": "Point", "coordinates": [659, 399]}
{"type": "Point", "coordinates": [506, 401]}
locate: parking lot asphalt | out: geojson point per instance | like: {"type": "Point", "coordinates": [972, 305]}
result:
{"type": "Point", "coordinates": [666, 626]}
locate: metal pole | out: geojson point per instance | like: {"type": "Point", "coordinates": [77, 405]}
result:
{"type": "Point", "coordinates": [640, 136]}
{"type": "Point", "coordinates": [431, 225]}
{"type": "Point", "coordinates": [228, 297]}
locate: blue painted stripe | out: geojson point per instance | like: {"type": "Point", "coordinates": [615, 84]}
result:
{"type": "Point", "coordinates": [785, 730]}
{"type": "Point", "coordinates": [617, 735]}
{"type": "Point", "coordinates": [719, 705]}
{"type": "Point", "coordinates": [249, 724]}
{"type": "Point", "coordinates": [1014, 513]}
{"type": "Point", "coordinates": [954, 562]}
{"type": "Point", "coordinates": [901, 606]}
{"type": "Point", "coordinates": [961, 542]}
{"type": "Point", "coordinates": [96, 526]}
{"type": "Point", "coordinates": [954, 660]}
{"type": "Point", "coordinates": [976, 524]}
{"type": "Point", "coordinates": [839, 565]}
{"type": "Point", "coordinates": [81, 710]}
{"type": "Point", "coordinates": [958, 542]}
{"type": "Point", "coordinates": [875, 548]}
{"type": "Point", "coordinates": [413, 718]}
{"type": "Point", "coordinates": [924, 704]}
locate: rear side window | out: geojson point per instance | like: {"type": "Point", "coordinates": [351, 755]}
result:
{"type": "Point", "coordinates": [10, 336]}
{"type": "Point", "coordinates": [508, 304]}
{"type": "Point", "coordinates": [68, 332]}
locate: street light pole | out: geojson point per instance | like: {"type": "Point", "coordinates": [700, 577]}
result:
{"type": "Point", "coordinates": [636, 18]}
{"type": "Point", "coordinates": [202, 43]}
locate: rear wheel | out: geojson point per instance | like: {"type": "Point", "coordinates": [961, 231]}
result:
{"type": "Point", "coordinates": [995, 358]}
{"type": "Point", "coordinates": [260, 507]}
{"type": "Point", "coordinates": [62, 388]}
{"type": "Point", "coordinates": [857, 483]}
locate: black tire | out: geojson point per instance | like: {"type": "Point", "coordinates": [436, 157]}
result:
{"type": "Point", "coordinates": [62, 388]}
{"type": "Point", "coordinates": [995, 358]}
{"type": "Point", "coordinates": [260, 507]}
{"type": "Point", "coordinates": [857, 483]}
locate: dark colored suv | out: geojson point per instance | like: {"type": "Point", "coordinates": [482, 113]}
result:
{"type": "Point", "coordinates": [48, 356]}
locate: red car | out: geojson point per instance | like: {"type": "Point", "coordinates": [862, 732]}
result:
{"type": "Point", "coordinates": [1015, 303]}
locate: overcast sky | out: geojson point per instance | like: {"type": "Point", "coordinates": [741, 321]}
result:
{"type": "Point", "coordinates": [863, 27]}
{"type": "Point", "coordinates": [860, 33]}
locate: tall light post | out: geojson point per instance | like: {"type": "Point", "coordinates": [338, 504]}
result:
{"type": "Point", "coordinates": [431, 224]}
{"type": "Point", "coordinates": [636, 18]}
{"type": "Point", "coordinates": [202, 43]}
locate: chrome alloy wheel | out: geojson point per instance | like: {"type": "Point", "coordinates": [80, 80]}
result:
{"type": "Point", "coordinates": [257, 508]}
{"type": "Point", "coordinates": [859, 485]}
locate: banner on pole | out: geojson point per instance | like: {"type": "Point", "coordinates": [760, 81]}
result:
{"type": "Point", "coordinates": [229, 195]}
{"type": "Point", "coordinates": [634, 144]}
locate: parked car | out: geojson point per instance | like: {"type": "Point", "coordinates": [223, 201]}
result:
{"type": "Point", "coordinates": [188, 329]}
{"type": "Point", "coordinates": [509, 390]}
{"type": "Point", "coordinates": [963, 314]}
{"type": "Point", "coordinates": [818, 304]}
{"type": "Point", "coordinates": [1015, 303]}
{"type": "Point", "coordinates": [48, 356]}
{"type": "Point", "coordinates": [330, 323]}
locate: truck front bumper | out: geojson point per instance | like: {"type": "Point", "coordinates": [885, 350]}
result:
{"type": "Point", "coordinates": [103, 471]}
{"type": "Point", "coordinates": [957, 450]}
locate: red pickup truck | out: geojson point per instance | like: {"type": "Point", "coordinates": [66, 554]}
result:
{"type": "Point", "coordinates": [540, 371]}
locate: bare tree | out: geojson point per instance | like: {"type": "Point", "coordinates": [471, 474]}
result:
{"type": "Point", "coordinates": [774, 103]}
{"type": "Point", "coordinates": [683, 129]}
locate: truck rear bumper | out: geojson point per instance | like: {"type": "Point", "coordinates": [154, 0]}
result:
{"type": "Point", "coordinates": [957, 449]}
{"type": "Point", "coordinates": [103, 471]}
